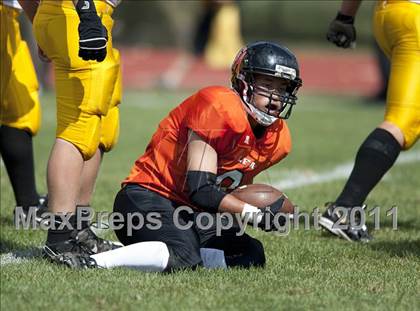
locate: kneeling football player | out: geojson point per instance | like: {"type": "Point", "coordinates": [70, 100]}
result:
{"type": "Point", "coordinates": [216, 140]}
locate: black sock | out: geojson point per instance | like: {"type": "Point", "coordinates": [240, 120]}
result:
{"type": "Point", "coordinates": [84, 211]}
{"type": "Point", "coordinates": [63, 234]}
{"type": "Point", "coordinates": [56, 234]}
{"type": "Point", "coordinates": [375, 157]}
{"type": "Point", "coordinates": [16, 151]}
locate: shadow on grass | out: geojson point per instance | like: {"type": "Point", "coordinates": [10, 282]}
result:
{"type": "Point", "coordinates": [16, 251]}
{"type": "Point", "coordinates": [402, 248]}
{"type": "Point", "coordinates": [404, 225]}
{"type": "Point", "coordinates": [409, 224]}
{"type": "Point", "coordinates": [6, 220]}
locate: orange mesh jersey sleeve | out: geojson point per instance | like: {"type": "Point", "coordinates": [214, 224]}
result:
{"type": "Point", "coordinates": [218, 117]}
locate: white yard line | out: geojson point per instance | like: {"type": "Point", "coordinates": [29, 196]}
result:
{"type": "Point", "coordinates": [18, 257]}
{"type": "Point", "coordinates": [304, 178]}
{"type": "Point", "coordinates": [296, 179]}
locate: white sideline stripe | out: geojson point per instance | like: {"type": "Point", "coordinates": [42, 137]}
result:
{"type": "Point", "coordinates": [296, 179]}
{"type": "Point", "coordinates": [11, 258]}
{"type": "Point", "coordinates": [18, 257]}
{"type": "Point", "coordinates": [304, 178]}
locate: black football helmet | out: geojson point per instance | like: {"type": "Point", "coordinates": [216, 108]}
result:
{"type": "Point", "coordinates": [266, 58]}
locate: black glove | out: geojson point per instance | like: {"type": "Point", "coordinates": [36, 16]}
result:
{"type": "Point", "coordinates": [269, 221]}
{"type": "Point", "coordinates": [341, 31]}
{"type": "Point", "coordinates": [93, 36]}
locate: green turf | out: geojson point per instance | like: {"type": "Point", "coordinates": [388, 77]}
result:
{"type": "Point", "coordinates": [305, 270]}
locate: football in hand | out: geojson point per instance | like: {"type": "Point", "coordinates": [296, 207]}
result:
{"type": "Point", "coordinates": [261, 196]}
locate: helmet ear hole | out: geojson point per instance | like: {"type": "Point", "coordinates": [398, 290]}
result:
{"type": "Point", "coordinates": [245, 90]}
{"type": "Point", "coordinates": [248, 91]}
{"type": "Point", "coordinates": [238, 85]}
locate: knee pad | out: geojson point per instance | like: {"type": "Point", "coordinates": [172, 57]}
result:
{"type": "Point", "coordinates": [408, 121]}
{"type": "Point", "coordinates": [82, 130]}
{"type": "Point", "coordinates": [411, 134]}
{"type": "Point", "coordinates": [110, 124]}
{"type": "Point", "coordinates": [117, 92]}
{"type": "Point", "coordinates": [410, 141]}
{"type": "Point", "coordinates": [110, 129]}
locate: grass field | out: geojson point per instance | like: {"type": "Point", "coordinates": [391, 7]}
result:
{"type": "Point", "coordinates": [305, 270]}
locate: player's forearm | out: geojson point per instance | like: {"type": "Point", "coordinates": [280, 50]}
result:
{"type": "Point", "coordinates": [350, 7]}
{"type": "Point", "coordinates": [30, 8]}
{"type": "Point", "coordinates": [230, 204]}
{"type": "Point", "coordinates": [204, 193]}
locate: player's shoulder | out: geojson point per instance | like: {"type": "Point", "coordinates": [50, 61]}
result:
{"type": "Point", "coordinates": [226, 104]}
{"type": "Point", "coordinates": [215, 92]}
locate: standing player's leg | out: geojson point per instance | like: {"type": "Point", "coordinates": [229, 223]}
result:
{"type": "Point", "coordinates": [81, 102]}
{"type": "Point", "coordinates": [88, 178]}
{"type": "Point", "coordinates": [20, 112]}
{"type": "Point", "coordinates": [401, 127]}
{"type": "Point", "coordinates": [17, 153]}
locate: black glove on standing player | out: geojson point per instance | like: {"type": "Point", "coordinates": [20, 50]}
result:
{"type": "Point", "coordinates": [93, 35]}
{"type": "Point", "coordinates": [341, 31]}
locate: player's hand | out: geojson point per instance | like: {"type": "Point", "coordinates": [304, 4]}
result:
{"type": "Point", "coordinates": [271, 218]}
{"type": "Point", "coordinates": [341, 31]}
{"type": "Point", "coordinates": [93, 36]}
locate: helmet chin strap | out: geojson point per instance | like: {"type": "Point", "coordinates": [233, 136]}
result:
{"type": "Point", "coordinates": [259, 116]}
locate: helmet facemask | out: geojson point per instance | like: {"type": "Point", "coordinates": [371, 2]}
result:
{"type": "Point", "coordinates": [246, 86]}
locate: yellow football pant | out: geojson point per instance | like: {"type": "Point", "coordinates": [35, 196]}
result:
{"type": "Point", "coordinates": [19, 101]}
{"type": "Point", "coordinates": [396, 27]}
{"type": "Point", "coordinates": [88, 92]}
{"type": "Point", "coordinates": [110, 122]}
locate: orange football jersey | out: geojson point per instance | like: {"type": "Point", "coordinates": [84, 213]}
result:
{"type": "Point", "coordinates": [217, 115]}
